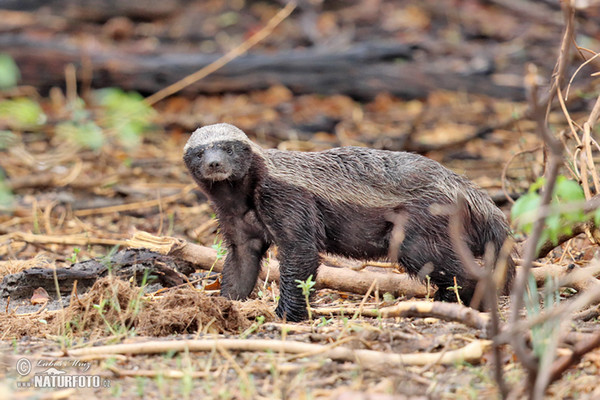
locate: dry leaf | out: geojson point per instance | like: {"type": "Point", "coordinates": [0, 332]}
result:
{"type": "Point", "coordinates": [40, 296]}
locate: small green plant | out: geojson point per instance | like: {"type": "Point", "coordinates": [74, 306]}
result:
{"type": "Point", "coordinates": [561, 217]}
{"type": "Point", "coordinates": [73, 258]}
{"type": "Point", "coordinates": [122, 325]}
{"type": "Point", "coordinates": [542, 334]}
{"type": "Point", "coordinates": [21, 113]}
{"type": "Point", "coordinates": [135, 303]}
{"type": "Point", "coordinates": [121, 115]}
{"type": "Point", "coordinates": [7, 199]}
{"type": "Point", "coordinates": [307, 287]}
{"type": "Point", "coordinates": [221, 250]}
{"type": "Point", "coordinates": [325, 321]}
{"type": "Point", "coordinates": [455, 288]}
{"type": "Point", "coordinates": [260, 320]}
{"type": "Point", "coordinates": [6, 195]}
{"type": "Point", "coordinates": [126, 113]}
{"type": "Point", "coordinates": [171, 224]}
{"type": "Point", "coordinates": [85, 133]}
{"type": "Point", "coordinates": [187, 380]}
{"type": "Point", "coordinates": [160, 382]}
{"type": "Point", "coordinates": [388, 297]}
{"type": "Point", "coordinates": [116, 390]}
{"type": "Point", "coordinates": [9, 72]}
{"type": "Point", "coordinates": [100, 309]}
{"type": "Point", "coordinates": [140, 386]}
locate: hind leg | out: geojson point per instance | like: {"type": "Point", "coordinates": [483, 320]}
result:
{"type": "Point", "coordinates": [446, 291]}
{"type": "Point", "coordinates": [427, 253]}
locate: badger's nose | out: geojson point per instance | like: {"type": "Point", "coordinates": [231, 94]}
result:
{"type": "Point", "coordinates": [213, 160]}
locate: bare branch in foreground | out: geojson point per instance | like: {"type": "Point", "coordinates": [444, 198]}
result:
{"type": "Point", "coordinates": [562, 364]}
{"type": "Point", "coordinates": [369, 359]}
{"type": "Point", "coordinates": [444, 311]}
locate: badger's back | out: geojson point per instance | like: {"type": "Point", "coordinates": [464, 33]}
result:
{"type": "Point", "coordinates": [394, 181]}
{"type": "Point", "coordinates": [371, 177]}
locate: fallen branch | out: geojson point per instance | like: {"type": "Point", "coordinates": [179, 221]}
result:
{"type": "Point", "coordinates": [337, 278]}
{"type": "Point", "coordinates": [361, 71]}
{"type": "Point", "coordinates": [71, 240]}
{"type": "Point", "coordinates": [571, 276]}
{"type": "Point", "coordinates": [126, 264]}
{"type": "Point", "coordinates": [136, 205]}
{"type": "Point", "coordinates": [444, 311]}
{"type": "Point", "coordinates": [563, 363]}
{"type": "Point", "coordinates": [343, 279]}
{"type": "Point", "coordinates": [369, 359]}
{"type": "Point", "coordinates": [587, 315]}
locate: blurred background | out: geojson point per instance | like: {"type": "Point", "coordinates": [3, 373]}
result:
{"type": "Point", "coordinates": [86, 151]}
{"type": "Point", "coordinates": [91, 141]}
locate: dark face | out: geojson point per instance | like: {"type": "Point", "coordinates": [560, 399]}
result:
{"type": "Point", "coordinates": [218, 161]}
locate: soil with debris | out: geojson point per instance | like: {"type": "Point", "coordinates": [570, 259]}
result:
{"type": "Point", "coordinates": [93, 200]}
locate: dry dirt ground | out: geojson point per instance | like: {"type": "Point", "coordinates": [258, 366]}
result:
{"type": "Point", "coordinates": [97, 181]}
{"type": "Point", "coordinates": [90, 201]}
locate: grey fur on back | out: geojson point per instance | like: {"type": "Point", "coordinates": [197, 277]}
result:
{"type": "Point", "coordinates": [375, 178]}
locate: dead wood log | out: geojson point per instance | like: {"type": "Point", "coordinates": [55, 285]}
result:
{"type": "Point", "coordinates": [343, 279]}
{"type": "Point", "coordinates": [98, 10]}
{"type": "Point", "coordinates": [361, 71]}
{"type": "Point", "coordinates": [125, 264]}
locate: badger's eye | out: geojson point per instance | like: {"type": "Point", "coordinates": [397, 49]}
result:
{"type": "Point", "coordinates": [200, 153]}
{"type": "Point", "coordinates": [229, 150]}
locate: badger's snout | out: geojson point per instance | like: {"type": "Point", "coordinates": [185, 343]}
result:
{"type": "Point", "coordinates": [215, 165]}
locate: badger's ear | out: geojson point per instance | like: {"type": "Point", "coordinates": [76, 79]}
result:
{"type": "Point", "coordinates": [245, 148]}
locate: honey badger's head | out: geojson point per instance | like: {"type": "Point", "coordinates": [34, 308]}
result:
{"type": "Point", "coordinates": [217, 153]}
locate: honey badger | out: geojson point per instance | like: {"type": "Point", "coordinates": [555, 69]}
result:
{"type": "Point", "coordinates": [340, 201]}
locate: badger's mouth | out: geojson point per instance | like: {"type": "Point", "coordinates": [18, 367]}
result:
{"type": "Point", "coordinates": [215, 174]}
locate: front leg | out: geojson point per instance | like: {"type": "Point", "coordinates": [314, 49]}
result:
{"type": "Point", "coordinates": [241, 267]}
{"type": "Point", "coordinates": [297, 263]}
{"type": "Point", "coordinates": [295, 225]}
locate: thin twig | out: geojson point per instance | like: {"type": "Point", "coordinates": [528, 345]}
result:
{"type": "Point", "coordinates": [368, 359]}
{"type": "Point", "coordinates": [225, 59]}
{"type": "Point", "coordinates": [505, 170]}
{"type": "Point", "coordinates": [519, 344]}
{"type": "Point", "coordinates": [562, 364]}
{"type": "Point", "coordinates": [485, 285]}
{"type": "Point", "coordinates": [422, 309]}
{"type": "Point", "coordinates": [77, 240]}
{"type": "Point", "coordinates": [137, 205]}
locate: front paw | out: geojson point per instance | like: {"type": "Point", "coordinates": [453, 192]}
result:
{"type": "Point", "coordinates": [291, 312]}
